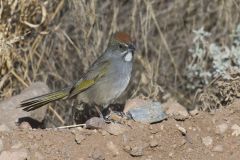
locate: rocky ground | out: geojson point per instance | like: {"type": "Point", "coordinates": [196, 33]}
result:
{"type": "Point", "coordinates": [200, 135]}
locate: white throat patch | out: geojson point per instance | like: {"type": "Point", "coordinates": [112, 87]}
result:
{"type": "Point", "coordinates": [128, 57]}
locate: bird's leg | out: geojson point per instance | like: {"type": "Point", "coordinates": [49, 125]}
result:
{"type": "Point", "coordinates": [99, 112]}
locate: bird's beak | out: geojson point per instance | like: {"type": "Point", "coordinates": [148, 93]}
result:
{"type": "Point", "coordinates": [131, 48]}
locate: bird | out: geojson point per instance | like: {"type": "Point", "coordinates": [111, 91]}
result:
{"type": "Point", "coordinates": [104, 81]}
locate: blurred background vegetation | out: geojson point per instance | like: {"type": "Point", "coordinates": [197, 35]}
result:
{"type": "Point", "coordinates": [55, 41]}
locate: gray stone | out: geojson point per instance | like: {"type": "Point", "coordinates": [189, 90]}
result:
{"type": "Point", "coordinates": [150, 112]}
{"type": "Point", "coordinates": [95, 123]}
{"type": "Point", "coordinates": [10, 107]}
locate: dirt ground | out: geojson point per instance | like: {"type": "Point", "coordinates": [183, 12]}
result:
{"type": "Point", "coordinates": [203, 136]}
{"type": "Point", "coordinates": [55, 41]}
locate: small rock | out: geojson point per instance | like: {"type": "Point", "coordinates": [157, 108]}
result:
{"type": "Point", "coordinates": [176, 110]}
{"type": "Point", "coordinates": [207, 141]}
{"type": "Point", "coordinates": [113, 148]}
{"type": "Point", "coordinates": [136, 151]}
{"type": "Point", "coordinates": [150, 112]}
{"type": "Point", "coordinates": [79, 138]}
{"type": "Point", "coordinates": [221, 128]}
{"type": "Point", "coordinates": [183, 141]}
{"type": "Point", "coordinates": [1, 145]}
{"type": "Point", "coordinates": [170, 154]}
{"type": "Point", "coordinates": [218, 148]}
{"type": "Point", "coordinates": [150, 127]}
{"type": "Point", "coordinates": [153, 143]}
{"type": "Point", "coordinates": [95, 123]}
{"type": "Point", "coordinates": [9, 107]}
{"type": "Point", "coordinates": [115, 128]}
{"type": "Point", "coordinates": [4, 128]}
{"type": "Point", "coordinates": [236, 130]}
{"type": "Point", "coordinates": [97, 154]}
{"type": "Point", "coordinates": [181, 129]}
{"type": "Point", "coordinates": [25, 126]}
{"type": "Point", "coordinates": [127, 148]}
{"type": "Point", "coordinates": [21, 154]}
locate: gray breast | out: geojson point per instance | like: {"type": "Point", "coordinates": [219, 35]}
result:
{"type": "Point", "coordinates": [110, 87]}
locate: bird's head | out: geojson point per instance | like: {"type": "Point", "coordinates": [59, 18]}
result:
{"type": "Point", "coordinates": [121, 45]}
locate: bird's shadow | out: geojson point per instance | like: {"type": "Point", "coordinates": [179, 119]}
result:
{"type": "Point", "coordinates": [79, 114]}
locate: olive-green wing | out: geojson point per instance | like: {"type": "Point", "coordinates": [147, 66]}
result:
{"type": "Point", "coordinates": [96, 72]}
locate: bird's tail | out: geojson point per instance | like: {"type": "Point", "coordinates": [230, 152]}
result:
{"type": "Point", "coordinates": [37, 102]}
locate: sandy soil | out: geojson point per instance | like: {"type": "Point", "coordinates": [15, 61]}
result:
{"type": "Point", "coordinates": [203, 136]}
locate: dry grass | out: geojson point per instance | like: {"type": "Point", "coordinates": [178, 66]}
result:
{"type": "Point", "coordinates": [56, 41]}
{"type": "Point", "coordinates": [220, 92]}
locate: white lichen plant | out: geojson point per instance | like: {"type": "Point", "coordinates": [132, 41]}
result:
{"type": "Point", "coordinates": [211, 60]}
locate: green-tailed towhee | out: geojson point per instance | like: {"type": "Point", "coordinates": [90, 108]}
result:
{"type": "Point", "coordinates": [104, 81]}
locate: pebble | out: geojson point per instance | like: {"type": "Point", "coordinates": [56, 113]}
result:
{"type": "Point", "coordinates": [79, 138]}
{"type": "Point", "coordinates": [153, 143]}
{"type": "Point", "coordinates": [115, 129]}
{"type": "Point", "coordinates": [136, 151]}
{"type": "Point", "coordinates": [113, 148]}
{"type": "Point", "coordinates": [127, 148]}
{"type": "Point", "coordinates": [181, 129]}
{"type": "Point", "coordinates": [218, 148]}
{"type": "Point", "coordinates": [1, 145]}
{"type": "Point", "coordinates": [20, 154]}
{"type": "Point", "coordinates": [207, 141]}
{"type": "Point", "coordinates": [176, 110]}
{"type": "Point", "coordinates": [221, 128]}
{"type": "Point", "coordinates": [95, 123]}
{"type": "Point", "coordinates": [97, 154]}
{"type": "Point", "coordinates": [236, 130]}
{"type": "Point", "coordinates": [170, 154]}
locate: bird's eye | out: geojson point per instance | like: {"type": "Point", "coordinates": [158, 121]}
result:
{"type": "Point", "coordinates": [121, 46]}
